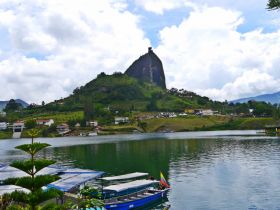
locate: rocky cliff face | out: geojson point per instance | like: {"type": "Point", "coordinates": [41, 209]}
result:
{"type": "Point", "coordinates": [148, 68]}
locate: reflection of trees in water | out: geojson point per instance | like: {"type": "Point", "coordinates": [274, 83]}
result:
{"type": "Point", "coordinates": [158, 155]}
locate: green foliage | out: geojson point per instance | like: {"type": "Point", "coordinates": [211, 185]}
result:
{"type": "Point", "coordinates": [32, 149]}
{"type": "Point", "coordinates": [143, 125]}
{"type": "Point", "coordinates": [16, 207]}
{"type": "Point", "coordinates": [5, 200]}
{"type": "Point", "coordinates": [53, 206]}
{"type": "Point", "coordinates": [89, 191]}
{"type": "Point", "coordinates": [28, 166]}
{"type": "Point", "coordinates": [276, 113]}
{"type": "Point", "coordinates": [29, 124]}
{"type": "Point", "coordinates": [86, 201]}
{"type": "Point", "coordinates": [33, 199]}
{"type": "Point", "coordinates": [33, 133]}
{"type": "Point", "coordinates": [47, 131]}
{"type": "Point", "coordinates": [32, 182]}
{"type": "Point", "coordinates": [12, 106]}
{"type": "Point", "coordinates": [273, 4]}
{"type": "Point", "coordinates": [102, 97]}
{"type": "Point", "coordinates": [7, 134]}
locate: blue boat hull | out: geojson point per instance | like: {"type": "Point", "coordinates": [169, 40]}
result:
{"type": "Point", "coordinates": [137, 203]}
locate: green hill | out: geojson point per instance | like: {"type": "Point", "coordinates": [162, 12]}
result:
{"type": "Point", "coordinates": [120, 92]}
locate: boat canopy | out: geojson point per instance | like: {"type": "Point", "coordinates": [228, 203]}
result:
{"type": "Point", "coordinates": [11, 188]}
{"type": "Point", "coordinates": [7, 171]}
{"type": "Point", "coordinates": [72, 178]}
{"type": "Point", "coordinates": [125, 176]}
{"type": "Point", "coordinates": [130, 185]}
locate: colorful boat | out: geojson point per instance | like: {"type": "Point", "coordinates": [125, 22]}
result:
{"type": "Point", "coordinates": [133, 194]}
{"type": "Point", "coordinates": [136, 200]}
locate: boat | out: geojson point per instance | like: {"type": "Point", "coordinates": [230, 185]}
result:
{"type": "Point", "coordinates": [126, 191]}
{"type": "Point", "coordinates": [135, 200]}
{"type": "Point", "coordinates": [132, 194]}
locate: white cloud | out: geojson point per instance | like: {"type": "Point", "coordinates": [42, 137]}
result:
{"type": "Point", "coordinates": [206, 53]}
{"type": "Point", "coordinates": [77, 40]}
{"type": "Point", "coordinates": [56, 45]}
{"type": "Point", "coordinates": [249, 83]}
{"type": "Point", "coordinates": [160, 6]}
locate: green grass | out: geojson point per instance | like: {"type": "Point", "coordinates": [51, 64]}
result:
{"type": "Point", "coordinates": [6, 134]}
{"type": "Point", "coordinates": [243, 124]}
{"type": "Point", "coordinates": [119, 129]}
{"type": "Point", "coordinates": [59, 117]}
{"type": "Point", "coordinates": [255, 123]}
{"type": "Point", "coordinates": [206, 123]}
{"type": "Point", "coordinates": [183, 124]}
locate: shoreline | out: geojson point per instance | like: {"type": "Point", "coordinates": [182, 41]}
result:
{"type": "Point", "coordinates": [182, 134]}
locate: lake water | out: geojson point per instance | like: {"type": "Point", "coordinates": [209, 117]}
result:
{"type": "Point", "coordinates": [206, 170]}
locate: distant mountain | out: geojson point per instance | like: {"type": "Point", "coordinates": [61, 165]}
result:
{"type": "Point", "coordinates": [4, 103]}
{"type": "Point", "coordinates": [269, 98]}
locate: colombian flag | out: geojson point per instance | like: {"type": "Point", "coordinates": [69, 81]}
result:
{"type": "Point", "coordinates": [163, 181]}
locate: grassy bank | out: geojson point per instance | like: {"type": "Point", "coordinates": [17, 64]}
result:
{"type": "Point", "coordinates": [178, 124]}
{"type": "Point", "coordinates": [58, 117]}
{"type": "Point", "coordinates": [183, 123]}
{"type": "Point", "coordinates": [6, 134]}
{"type": "Point", "coordinates": [119, 129]}
{"type": "Point", "coordinates": [206, 123]}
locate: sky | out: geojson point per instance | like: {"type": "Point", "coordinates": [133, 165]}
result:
{"type": "Point", "coordinates": [223, 49]}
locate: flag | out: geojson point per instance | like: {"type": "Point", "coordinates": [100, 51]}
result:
{"type": "Point", "coordinates": [163, 181]}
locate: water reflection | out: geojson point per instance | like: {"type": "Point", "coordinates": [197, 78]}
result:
{"type": "Point", "coordinates": [234, 172]}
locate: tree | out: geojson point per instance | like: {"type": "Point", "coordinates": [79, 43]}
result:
{"type": "Point", "coordinates": [29, 124]}
{"type": "Point", "coordinates": [143, 125]}
{"type": "Point", "coordinates": [85, 201]}
{"type": "Point", "coordinates": [273, 4]}
{"type": "Point", "coordinates": [88, 109]}
{"type": "Point", "coordinates": [33, 182]}
{"type": "Point", "coordinates": [12, 106]}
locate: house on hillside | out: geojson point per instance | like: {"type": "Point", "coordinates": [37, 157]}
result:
{"type": "Point", "coordinates": [183, 114]}
{"type": "Point", "coordinates": [62, 128]}
{"type": "Point", "coordinates": [205, 112]}
{"type": "Point", "coordinates": [166, 115]}
{"type": "Point", "coordinates": [3, 125]}
{"type": "Point", "coordinates": [48, 122]}
{"type": "Point", "coordinates": [92, 123]}
{"type": "Point", "coordinates": [120, 120]}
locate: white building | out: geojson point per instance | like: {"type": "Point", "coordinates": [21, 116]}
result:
{"type": "Point", "coordinates": [18, 126]}
{"type": "Point", "coordinates": [3, 126]}
{"type": "Point", "coordinates": [92, 123]}
{"type": "Point", "coordinates": [48, 122]}
{"type": "Point", "coordinates": [119, 120]}
{"type": "Point", "coordinates": [207, 112]}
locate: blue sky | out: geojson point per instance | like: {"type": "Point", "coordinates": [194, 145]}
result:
{"type": "Point", "coordinates": [223, 49]}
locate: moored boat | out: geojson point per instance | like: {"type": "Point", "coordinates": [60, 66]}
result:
{"type": "Point", "coordinates": [135, 200]}
{"type": "Point", "coordinates": [133, 194]}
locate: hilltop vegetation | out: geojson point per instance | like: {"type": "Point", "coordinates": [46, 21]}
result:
{"type": "Point", "coordinates": [122, 93]}
{"type": "Point", "coordinates": [109, 96]}
{"type": "Point", "coordinates": [118, 94]}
